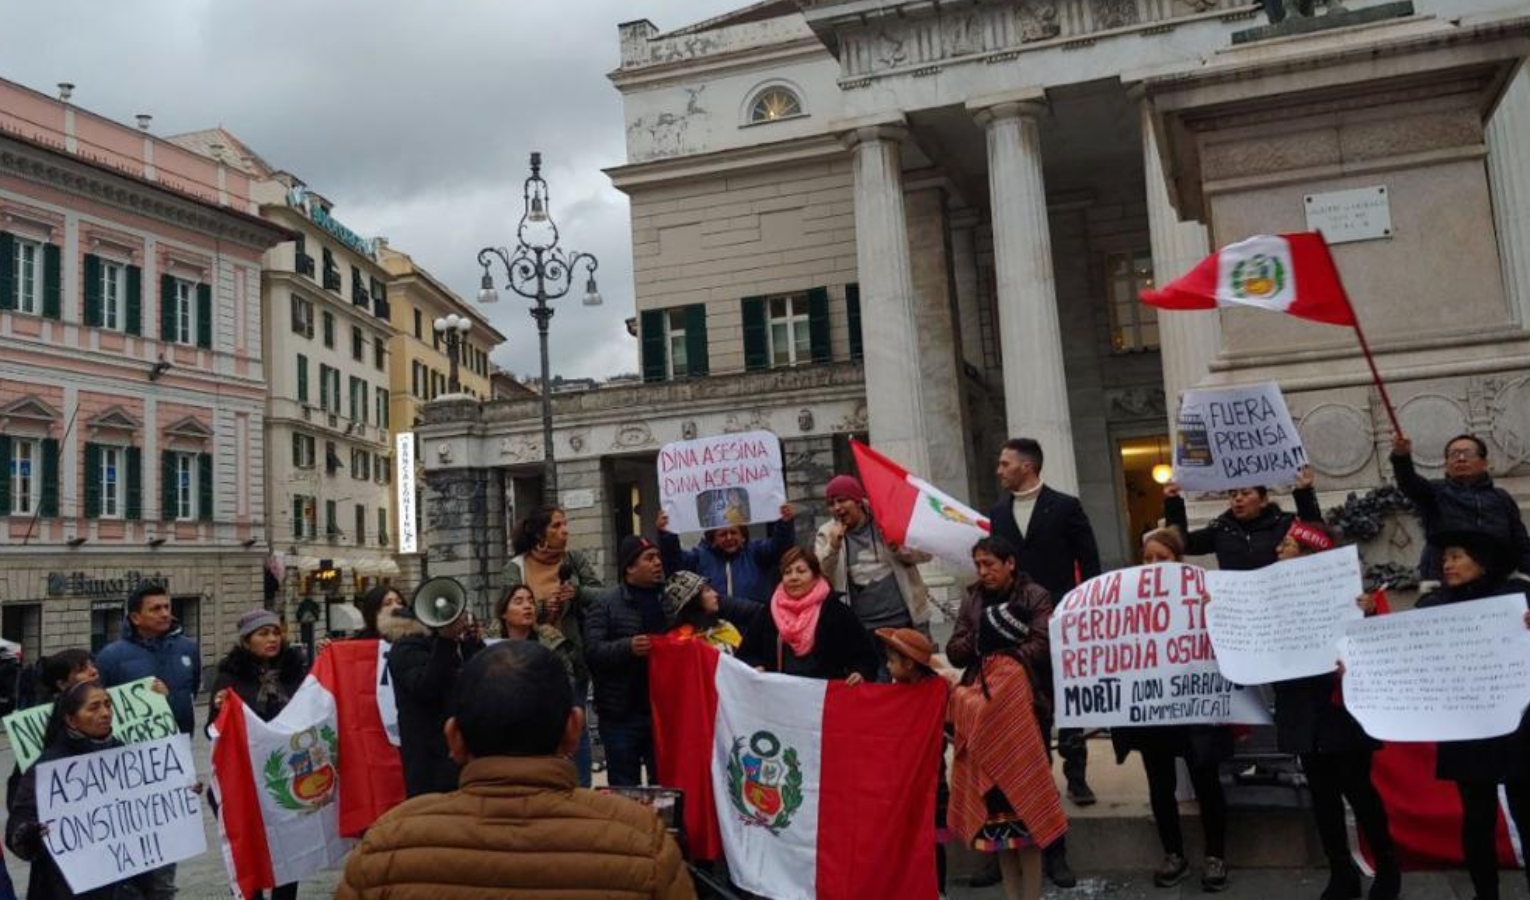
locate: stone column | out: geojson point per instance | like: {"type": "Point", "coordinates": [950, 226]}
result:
{"type": "Point", "coordinates": [1188, 340]}
{"type": "Point", "coordinates": [1030, 339]}
{"type": "Point", "coordinates": [1508, 162]}
{"type": "Point", "coordinates": [964, 267]}
{"type": "Point", "coordinates": [889, 323]}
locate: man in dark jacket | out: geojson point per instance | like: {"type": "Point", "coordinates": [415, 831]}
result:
{"type": "Point", "coordinates": [424, 666]}
{"type": "Point", "coordinates": [153, 646]}
{"type": "Point", "coordinates": [728, 560]}
{"type": "Point", "coordinates": [1464, 500]}
{"type": "Point", "coordinates": [616, 645]}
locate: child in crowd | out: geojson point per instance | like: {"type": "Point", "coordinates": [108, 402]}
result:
{"type": "Point", "coordinates": [694, 609]}
{"type": "Point", "coordinates": [909, 661]}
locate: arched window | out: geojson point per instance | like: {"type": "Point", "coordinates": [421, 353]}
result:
{"type": "Point", "coordinates": [774, 103]}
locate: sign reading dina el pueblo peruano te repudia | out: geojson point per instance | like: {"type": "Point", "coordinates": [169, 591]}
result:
{"type": "Point", "coordinates": [121, 812]}
{"type": "Point", "coordinates": [1130, 648]}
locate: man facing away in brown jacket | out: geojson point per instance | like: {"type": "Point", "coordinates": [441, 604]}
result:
{"type": "Point", "coordinates": [518, 825]}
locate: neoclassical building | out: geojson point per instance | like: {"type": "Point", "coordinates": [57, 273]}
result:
{"type": "Point", "coordinates": [929, 223]}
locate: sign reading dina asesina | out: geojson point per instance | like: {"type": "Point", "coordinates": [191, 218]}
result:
{"type": "Point", "coordinates": [715, 482]}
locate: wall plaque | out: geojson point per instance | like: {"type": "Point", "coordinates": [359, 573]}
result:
{"type": "Point", "coordinates": [1360, 214]}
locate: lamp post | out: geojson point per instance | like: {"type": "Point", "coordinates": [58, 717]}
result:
{"type": "Point", "coordinates": [539, 270]}
{"type": "Point", "coordinates": [454, 328]}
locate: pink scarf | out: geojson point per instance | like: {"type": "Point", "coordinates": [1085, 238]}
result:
{"type": "Point", "coordinates": [797, 618]}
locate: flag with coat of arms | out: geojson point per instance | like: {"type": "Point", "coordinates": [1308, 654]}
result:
{"type": "Point", "coordinates": [913, 513]}
{"type": "Point", "coordinates": [1290, 273]}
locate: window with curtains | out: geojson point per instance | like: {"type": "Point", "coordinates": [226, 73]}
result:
{"type": "Point", "coordinates": [28, 269]}
{"type": "Point", "coordinates": [304, 516]}
{"type": "Point", "coordinates": [185, 312]}
{"type": "Point", "coordinates": [113, 295]}
{"type": "Point", "coordinates": [302, 316]}
{"type": "Point", "coordinates": [185, 486]}
{"type": "Point", "coordinates": [302, 450]}
{"type": "Point", "coordinates": [26, 477]}
{"type": "Point", "coordinates": [1133, 324]}
{"type": "Point", "coordinates": [113, 482]}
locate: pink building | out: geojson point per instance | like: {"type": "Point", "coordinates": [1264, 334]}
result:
{"type": "Point", "coordinates": [132, 390]}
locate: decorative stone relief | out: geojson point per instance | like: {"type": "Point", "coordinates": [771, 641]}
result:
{"type": "Point", "coordinates": [1194, 7]}
{"type": "Point", "coordinates": [805, 420]}
{"type": "Point", "coordinates": [520, 448]}
{"type": "Point", "coordinates": [666, 130]}
{"type": "Point", "coordinates": [444, 453]}
{"type": "Point", "coordinates": [856, 421]}
{"type": "Point", "coordinates": [1037, 20]}
{"type": "Point", "coordinates": [1114, 13]}
{"type": "Point", "coordinates": [961, 35]}
{"type": "Point", "coordinates": [688, 430]}
{"type": "Point", "coordinates": [757, 420]}
{"type": "Point", "coordinates": [1430, 420]}
{"type": "Point", "coordinates": [632, 435]}
{"type": "Point", "coordinates": [1338, 438]}
{"type": "Point", "coordinates": [1135, 403]}
{"type": "Point", "coordinates": [579, 439]}
{"type": "Point", "coordinates": [890, 53]}
{"type": "Point", "coordinates": [1510, 412]}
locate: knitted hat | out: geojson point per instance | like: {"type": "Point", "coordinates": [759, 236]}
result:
{"type": "Point", "coordinates": [256, 619]}
{"type": "Point", "coordinates": [1002, 628]}
{"type": "Point", "coordinates": [1309, 536]}
{"type": "Point", "coordinates": [845, 486]}
{"type": "Point", "coordinates": [908, 642]}
{"type": "Point", "coordinates": [681, 589]}
{"type": "Point", "coordinates": [632, 546]}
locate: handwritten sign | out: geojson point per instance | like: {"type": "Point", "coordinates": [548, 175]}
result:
{"type": "Point", "coordinates": [716, 482]}
{"type": "Point", "coordinates": [1448, 673]}
{"type": "Point", "coordinates": [1283, 621]}
{"type": "Point", "coordinates": [138, 715]}
{"type": "Point", "coordinates": [1130, 648]}
{"type": "Point", "coordinates": [119, 813]}
{"type": "Point", "coordinates": [1236, 437]}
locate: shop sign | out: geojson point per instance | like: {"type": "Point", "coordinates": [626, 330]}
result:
{"type": "Point", "coordinates": [297, 197]}
{"type": "Point", "coordinates": [81, 584]}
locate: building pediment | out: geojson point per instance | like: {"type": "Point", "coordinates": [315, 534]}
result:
{"type": "Point", "coordinates": [29, 414]}
{"type": "Point", "coordinates": [114, 419]}
{"type": "Point", "coordinates": [190, 428]}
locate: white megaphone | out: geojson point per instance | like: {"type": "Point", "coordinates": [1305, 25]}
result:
{"type": "Point", "coordinates": [439, 602]}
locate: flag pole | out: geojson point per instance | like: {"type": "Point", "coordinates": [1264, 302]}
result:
{"type": "Point", "coordinates": [1365, 347]}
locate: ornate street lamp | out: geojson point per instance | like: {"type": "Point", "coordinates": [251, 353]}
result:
{"type": "Point", "coordinates": [539, 270]}
{"type": "Point", "coordinates": [454, 328]}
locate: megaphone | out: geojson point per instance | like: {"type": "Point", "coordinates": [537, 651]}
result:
{"type": "Point", "coordinates": [439, 602]}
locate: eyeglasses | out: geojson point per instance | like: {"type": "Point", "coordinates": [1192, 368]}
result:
{"type": "Point", "coordinates": [1464, 453]}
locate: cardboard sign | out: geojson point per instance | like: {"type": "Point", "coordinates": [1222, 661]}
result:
{"type": "Point", "coordinates": [138, 715]}
{"type": "Point", "coordinates": [717, 482]}
{"type": "Point", "coordinates": [120, 813]}
{"type": "Point", "coordinates": [1236, 437]}
{"type": "Point", "coordinates": [1130, 647]}
{"type": "Point", "coordinates": [1447, 673]}
{"type": "Point", "coordinates": [1283, 621]}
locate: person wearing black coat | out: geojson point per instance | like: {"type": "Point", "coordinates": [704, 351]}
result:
{"type": "Point", "coordinates": [1246, 535]}
{"type": "Point", "coordinates": [1474, 566]}
{"type": "Point", "coordinates": [424, 665]}
{"type": "Point", "coordinates": [1465, 500]}
{"type": "Point", "coordinates": [618, 632]}
{"type": "Point", "coordinates": [809, 629]}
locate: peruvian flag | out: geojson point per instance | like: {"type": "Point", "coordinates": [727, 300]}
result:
{"type": "Point", "coordinates": [916, 514]}
{"type": "Point", "coordinates": [812, 788]}
{"type": "Point", "coordinates": [1289, 273]}
{"type": "Point", "coordinates": [292, 791]}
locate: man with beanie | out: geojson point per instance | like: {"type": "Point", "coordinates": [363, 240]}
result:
{"type": "Point", "coordinates": [616, 645]}
{"type": "Point", "coordinates": [881, 580]}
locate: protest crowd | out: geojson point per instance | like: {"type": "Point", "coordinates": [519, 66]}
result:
{"type": "Point", "coordinates": [728, 687]}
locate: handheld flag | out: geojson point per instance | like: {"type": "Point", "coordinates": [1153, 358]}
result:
{"type": "Point", "coordinates": [914, 513]}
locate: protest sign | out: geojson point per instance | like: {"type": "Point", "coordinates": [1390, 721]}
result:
{"type": "Point", "coordinates": [1449, 673]}
{"type": "Point", "coordinates": [715, 482]}
{"type": "Point", "coordinates": [1130, 648]}
{"type": "Point", "coordinates": [122, 812]}
{"type": "Point", "coordinates": [1283, 621]}
{"type": "Point", "coordinates": [1236, 437]}
{"type": "Point", "coordinates": [138, 715]}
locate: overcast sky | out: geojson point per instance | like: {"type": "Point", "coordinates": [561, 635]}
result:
{"type": "Point", "coordinates": [414, 117]}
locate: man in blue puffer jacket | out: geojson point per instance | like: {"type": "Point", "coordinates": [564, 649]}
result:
{"type": "Point", "coordinates": [736, 566]}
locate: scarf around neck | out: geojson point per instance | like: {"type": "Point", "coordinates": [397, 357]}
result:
{"type": "Point", "coordinates": [797, 618]}
{"type": "Point", "coordinates": [541, 571]}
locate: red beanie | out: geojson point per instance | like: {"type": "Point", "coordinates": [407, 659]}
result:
{"type": "Point", "coordinates": [847, 487]}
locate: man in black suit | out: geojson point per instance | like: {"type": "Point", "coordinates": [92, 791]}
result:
{"type": "Point", "coordinates": [1057, 550]}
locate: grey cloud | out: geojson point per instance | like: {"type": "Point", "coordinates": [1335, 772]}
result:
{"type": "Point", "coordinates": [414, 118]}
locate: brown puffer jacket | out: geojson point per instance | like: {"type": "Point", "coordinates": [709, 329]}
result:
{"type": "Point", "coordinates": [517, 827]}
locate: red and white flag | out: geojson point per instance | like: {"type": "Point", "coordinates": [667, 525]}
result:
{"type": "Point", "coordinates": [812, 788]}
{"type": "Point", "coordinates": [292, 791]}
{"type": "Point", "coordinates": [1289, 273]}
{"type": "Point", "coordinates": [916, 514]}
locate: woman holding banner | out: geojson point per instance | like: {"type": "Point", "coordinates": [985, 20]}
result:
{"type": "Point", "coordinates": [81, 723]}
{"type": "Point", "coordinates": [1202, 747]}
{"type": "Point", "coordinates": [809, 630]}
{"type": "Point", "coordinates": [1474, 566]}
{"type": "Point", "coordinates": [1246, 535]}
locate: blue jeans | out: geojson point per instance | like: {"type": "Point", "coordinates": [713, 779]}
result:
{"type": "Point", "coordinates": [629, 749]}
{"type": "Point", "coordinates": [582, 755]}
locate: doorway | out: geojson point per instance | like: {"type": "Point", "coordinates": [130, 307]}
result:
{"type": "Point", "coordinates": [1145, 468]}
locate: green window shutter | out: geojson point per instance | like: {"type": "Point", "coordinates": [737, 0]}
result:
{"type": "Point", "coordinates": [49, 505]}
{"type": "Point", "coordinates": [818, 325]}
{"type": "Point", "coordinates": [53, 276]}
{"type": "Point", "coordinates": [204, 316]}
{"type": "Point", "coordinates": [93, 290]}
{"type": "Point", "coordinates": [297, 516]}
{"type": "Point", "coordinates": [167, 309]}
{"type": "Point", "coordinates": [92, 481]}
{"type": "Point", "coordinates": [134, 313]}
{"type": "Point", "coordinates": [167, 484]}
{"type": "Point", "coordinates": [302, 378]}
{"type": "Point", "coordinates": [134, 483]}
{"type": "Point", "coordinates": [696, 339]}
{"type": "Point", "coordinates": [756, 343]}
{"type": "Point", "coordinates": [655, 353]}
{"type": "Point", "coordinates": [7, 271]}
{"type": "Point", "coordinates": [205, 487]}
{"type": "Point", "coordinates": [853, 318]}
{"type": "Point", "coordinates": [5, 475]}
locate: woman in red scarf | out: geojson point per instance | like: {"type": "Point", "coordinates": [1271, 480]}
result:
{"type": "Point", "coordinates": [809, 629]}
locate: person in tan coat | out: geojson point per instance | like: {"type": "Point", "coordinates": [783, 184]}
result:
{"type": "Point", "coordinates": [518, 825]}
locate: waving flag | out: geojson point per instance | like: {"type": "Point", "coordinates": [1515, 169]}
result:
{"type": "Point", "coordinates": [1289, 273]}
{"type": "Point", "coordinates": [813, 788]}
{"type": "Point", "coordinates": [914, 513]}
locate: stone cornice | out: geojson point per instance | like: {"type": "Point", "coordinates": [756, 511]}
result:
{"type": "Point", "coordinates": [88, 180]}
{"type": "Point", "coordinates": [751, 158]}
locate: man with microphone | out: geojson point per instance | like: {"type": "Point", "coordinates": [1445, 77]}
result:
{"type": "Point", "coordinates": [424, 666]}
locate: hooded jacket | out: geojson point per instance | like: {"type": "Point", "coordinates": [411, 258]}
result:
{"type": "Point", "coordinates": [424, 668]}
{"type": "Point", "coordinates": [1475, 505]}
{"type": "Point", "coordinates": [172, 658]}
{"type": "Point", "coordinates": [1241, 546]}
{"type": "Point", "coordinates": [517, 822]}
